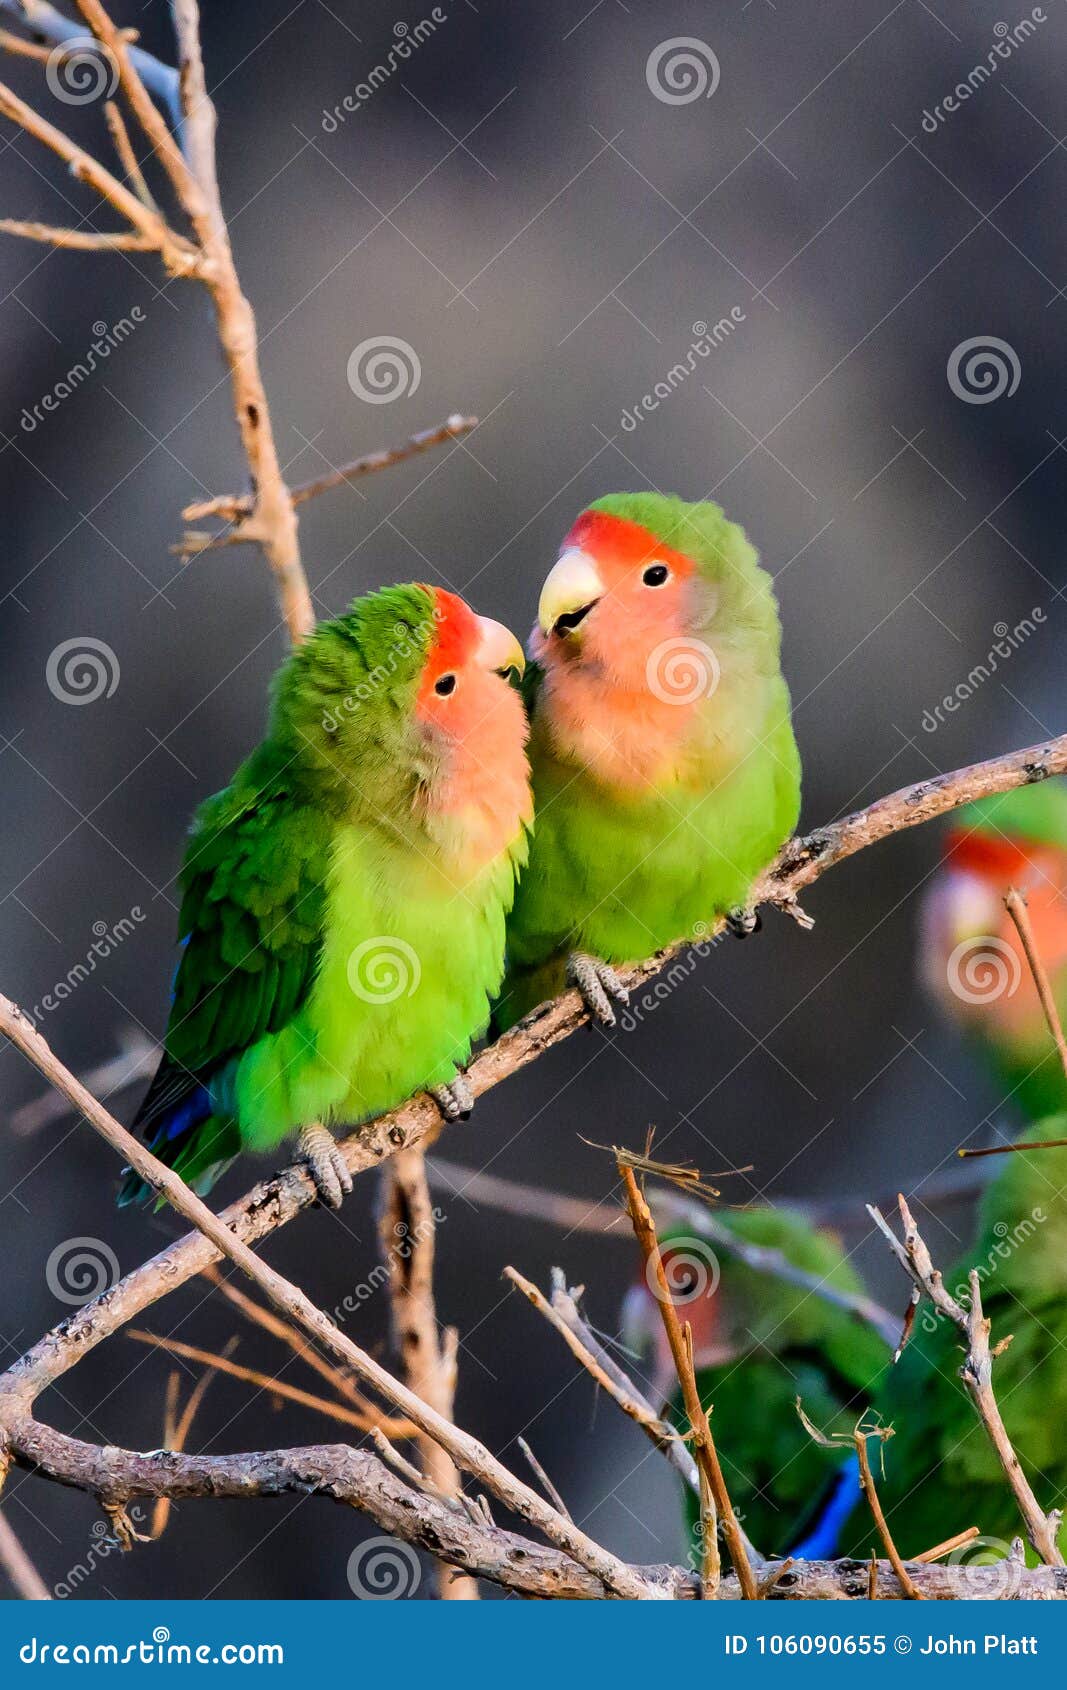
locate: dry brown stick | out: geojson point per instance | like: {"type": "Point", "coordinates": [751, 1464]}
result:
{"type": "Point", "coordinates": [1008, 1149]}
{"type": "Point", "coordinates": [546, 1483]}
{"type": "Point", "coordinates": [274, 1202]}
{"type": "Point", "coordinates": [120, 138]}
{"type": "Point", "coordinates": [870, 1491]}
{"type": "Point", "coordinates": [77, 240]}
{"type": "Point", "coordinates": [179, 255]}
{"type": "Point", "coordinates": [293, 1303]}
{"type": "Point", "coordinates": [341, 1381]}
{"type": "Point", "coordinates": [24, 1576]}
{"type": "Point", "coordinates": [715, 1498]}
{"type": "Point", "coordinates": [232, 507]}
{"type": "Point", "coordinates": [946, 1548]}
{"type": "Point", "coordinates": [1015, 904]}
{"type": "Point", "coordinates": [407, 1235]}
{"type": "Point", "coordinates": [976, 1373]}
{"type": "Point", "coordinates": [263, 1381]}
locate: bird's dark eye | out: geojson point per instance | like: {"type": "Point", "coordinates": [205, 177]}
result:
{"type": "Point", "coordinates": [655, 575]}
{"type": "Point", "coordinates": [445, 685]}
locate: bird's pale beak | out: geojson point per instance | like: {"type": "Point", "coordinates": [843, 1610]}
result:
{"type": "Point", "coordinates": [498, 648]}
{"type": "Point", "coordinates": [571, 589]}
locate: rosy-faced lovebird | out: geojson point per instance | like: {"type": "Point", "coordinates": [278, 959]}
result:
{"type": "Point", "coordinates": [759, 1342]}
{"type": "Point", "coordinates": [344, 898]}
{"type": "Point", "coordinates": [665, 770]}
{"type": "Point", "coordinates": [971, 958]}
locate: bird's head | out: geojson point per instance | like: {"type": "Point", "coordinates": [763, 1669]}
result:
{"type": "Point", "coordinates": [971, 958]}
{"type": "Point", "coordinates": [653, 607]}
{"type": "Point", "coordinates": [409, 692]}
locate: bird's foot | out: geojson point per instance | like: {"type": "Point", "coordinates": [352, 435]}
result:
{"type": "Point", "coordinates": [456, 1100]}
{"type": "Point", "coordinates": [744, 921]}
{"type": "Point", "coordinates": [320, 1150]}
{"type": "Point", "coordinates": [598, 983]}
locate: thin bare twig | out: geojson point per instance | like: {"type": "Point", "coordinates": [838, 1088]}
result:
{"type": "Point", "coordinates": [50, 25]}
{"type": "Point", "coordinates": [870, 1491]}
{"type": "Point", "coordinates": [715, 1504]}
{"type": "Point", "coordinates": [546, 1483]}
{"type": "Point", "coordinates": [338, 1378]}
{"type": "Point", "coordinates": [976, 1373]}
{"type": "Point", "coordinates": [252, 1376]}
{"type": "Point", "coordinates": [176, 1430]}
{"type": "Point", "coordinates": [232, 507]}
{"type": "Point", "coordinates": [1015, 904]}
{"type": "Point", "coordinates": [120, 137]}
{"type": "Point", "coordinates": [946, 1548]}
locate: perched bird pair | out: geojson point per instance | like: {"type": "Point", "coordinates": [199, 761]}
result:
{"type": "Point", "coordinates": [349, 900]}
{"type": "Point", "coordinates": [759, 1340]}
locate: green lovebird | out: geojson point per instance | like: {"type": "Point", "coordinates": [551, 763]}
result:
{"type": "Point", "coordinates": [759, 1343]}
{"type": "Point", "coordinates": [665, 770]}
{"type": "Point", "coordinates": [972, 961]}
{"type": "Point", "coordinates": [344, 899]}
{"type": "Point", "coordinates": [940, 1472]}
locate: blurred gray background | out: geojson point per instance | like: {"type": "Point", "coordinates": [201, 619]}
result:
{"type": "Point", "coordinates": [519, 206]}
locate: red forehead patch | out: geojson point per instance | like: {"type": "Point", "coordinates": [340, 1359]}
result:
{"type": "Point", "coordinates": [456, 633]}
{"type": "Point", "coordinates": [613, 539]}
{"type": "Point", "coordinates": [1001, 860]}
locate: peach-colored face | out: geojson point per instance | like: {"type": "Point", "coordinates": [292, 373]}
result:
{"type": "Point", "coordinates": [619, 591]}
{"type": "Point", "coordinates": [475, 720]}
